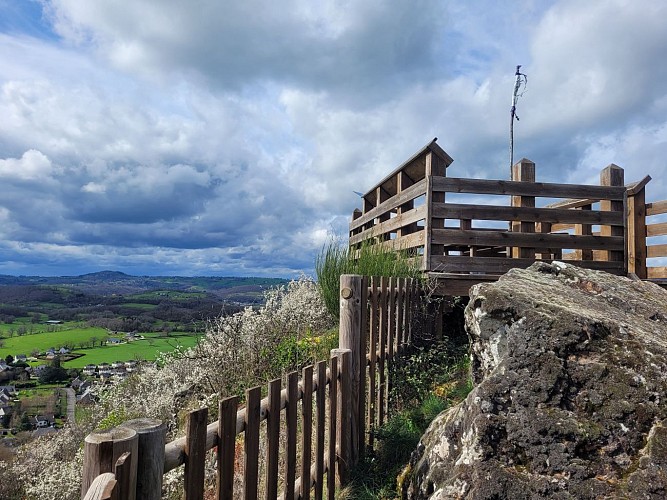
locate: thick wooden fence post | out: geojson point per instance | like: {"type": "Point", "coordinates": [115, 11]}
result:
{"type": "Point", "coordinates": [150, 457]}
{"type": "Point", "coordinates": [524, 171]}
{"type": "Point", "coordinates": [350, 338]}
{"type": "Point", "coordinates": [613, 175]}
{"type": "Point", "coordinates": [637, 251]}
{"type": "Point", "coordinates": [101, 451]}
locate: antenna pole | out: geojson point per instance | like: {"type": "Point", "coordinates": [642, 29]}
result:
{"type": "Point", "coordinates": [519, 80]}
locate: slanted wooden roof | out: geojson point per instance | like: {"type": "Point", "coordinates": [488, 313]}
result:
{"type": "Point", "coordinates": [414, 168]}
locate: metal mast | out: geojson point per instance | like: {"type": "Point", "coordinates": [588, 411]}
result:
{"type": "Point", "coordinates": [521, 79]}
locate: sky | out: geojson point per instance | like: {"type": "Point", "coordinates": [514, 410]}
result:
{"type": "Point", "coordinates": [216, 137]}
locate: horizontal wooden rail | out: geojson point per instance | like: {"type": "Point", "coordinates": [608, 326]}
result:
{"type": "Point", "coordinates": [174, 451]}
{"type": "Point", "coordinates": [656, 208]}
{"type": "Point", "coordinates": [526, 240]}
{"type": "Point", "coordinates": [656, 229]}
{"type": "Point", "coordinates": [659, 272]}
{"type": "Point", "coordinates": [415, 191]}
{"type": "Point", "coordinates": [537, 189]}
{"type": "Point", "coordinates": [393, 224]}
{"type": "Point", "coordinates": [656, 251]}
{"type": "Point", "coordinates": [500, 265]}
{"type": "Point", "coordinates": [504, 213]}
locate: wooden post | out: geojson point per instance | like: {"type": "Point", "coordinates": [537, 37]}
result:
{"type": "Point", "coordinates": [584, 230]}
{"type": "Point", "coordinates": [123, 474]}
{"type": "Point", "coordinates": [101, 451]}
{"type": "Point", "coordinates": [435, 167]}
{"type": "Point", "coordinates": [350, 338]}
{"type": "Point", "coordinates": [150, 457]}
{"type": "Point", "coordinates": [273, 439]}
{"type": "Point", "coordinates": [343, 438]}
{"type": "Point", "coordinates": [523, 171]}
{"type": "Point", "coordinates": [637, 251]}
{"type": "Point", "coordinates": [195, 454]}
{"type": "Point", "coordinates": [227, 447]}
{"type": "Point", "coordinates": [612, 175]}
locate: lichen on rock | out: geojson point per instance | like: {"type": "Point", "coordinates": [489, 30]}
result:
{"type": "Point", "coordinates": [570, 367]}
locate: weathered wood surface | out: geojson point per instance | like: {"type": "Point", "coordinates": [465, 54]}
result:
{"type": "Point", "coordinates": [502, 213]}
{"type": "Point", "coordinates": [659, 229]}
{"type": "Point", "coordinates": [394, 224]}
{"type": "Point", "coordinates": [333, 428]}
{"type": "Point", "coordinates": [656, 208]}
{"type": "Point", "coordinates": [102, 449]}
{"type": "Point", "coordinates": [613, 175]}
{"type": "Point", "coordinates": [537, 240]}
{"type": "Point", "coordinates": [320, 446]}
{"type": "Point", "coordinates": [540, 189]}
{"type": "Point", "coordinates": [227, 447]}
{"type": "Point", "coordinates": [273, 439]}
{"type": "Point", "coordinates": [410, 193]}
{"type": "Point", "coordinates": [195, 454]}
{"type": "Point", "coordinates": [125, 482]}
{"type": "Point", "coordinates": [292, 424]}
{"type": "Point", "coordinates": [637, 251]}
{"type": "Point", "coordinates": [305, 482]}
{"type": "Point", "coordinates": [500, 265]}
{"type": "Point", "coordinates": [150, 458]}
{"type": "Point", "coordinates": [251, 443]}
{"type": "Point", "coordinates": [657, 250]}
{"type": "Point", "coordinates": [101, 488]}
{"type": "Point", "coordinates": [657, 272]}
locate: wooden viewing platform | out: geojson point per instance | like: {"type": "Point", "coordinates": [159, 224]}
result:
{"type": "Point", "coordinates": [467, 231]}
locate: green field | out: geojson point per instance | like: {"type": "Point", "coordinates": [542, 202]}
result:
{"type": "Point", "coordinates": [146, 349]}
{"type": "Point", "coordinates": [25, 344]}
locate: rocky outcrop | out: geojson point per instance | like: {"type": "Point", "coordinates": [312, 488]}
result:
{"type": "Point", "coordinates": [570, 397]}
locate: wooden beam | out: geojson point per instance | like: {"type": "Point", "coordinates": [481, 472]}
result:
{"type": "Point", "coordinates": [656, 208]}
{"type": "Point", "coordinates": [414, 191]}
{"type": "Point", "coordinates": [391, 225]}
{"type": "Point", "coordinates": [540, 189]}
{"type": "Point", "coordinates": [500, 265]}
{"type": "Point", "coordinates": [537, 240]}
{"type": "Point", "coordinates": [612, 175]}
{"type": "Point", "coordinates": [657, 251]}
{"type": "Point", "coordinates": [656, 229]}
{"type": "Point", "coordinates": [637, 252]}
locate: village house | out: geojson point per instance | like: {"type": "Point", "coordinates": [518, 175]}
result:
{"type": "Point", "coordinates": [89, 370]}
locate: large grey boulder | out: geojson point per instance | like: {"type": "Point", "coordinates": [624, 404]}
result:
{"type": "Point", "coordinates": [570, 397]}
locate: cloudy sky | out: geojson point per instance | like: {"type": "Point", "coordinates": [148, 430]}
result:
{"type": "Point", "coordinates": [216, 137]}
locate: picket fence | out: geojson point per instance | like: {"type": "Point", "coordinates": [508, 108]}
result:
{"type": "Point", "coordinates": [317, 426]}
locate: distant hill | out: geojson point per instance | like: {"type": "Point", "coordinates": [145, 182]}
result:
{"type": "Point", "coordinates": [117, 283]}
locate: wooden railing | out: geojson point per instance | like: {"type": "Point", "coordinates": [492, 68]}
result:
{"type": "Point", "coordinates": [656, 229]}
{"type": "Point", "coordinates": [341, 402]}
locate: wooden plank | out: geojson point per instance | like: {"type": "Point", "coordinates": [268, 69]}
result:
{"type": "Point", "coordinates": [586, 230]}
{"type": "Point", "coordinates": [656, 208]}
{"type": "Point", "coordinates": [659, 229]}
{"type": "Point", "coordinates": [410, 193]}
{"type": "Point", "coordinates": [570, 204]}
{"type": "Point", "coordinates": [306, 431]}
{"type": "Point", "coordinates": [636, 187]}
{"type": "Point", "coordinates": [195, 453]}
{"type": "Point", "coordinates": [333, 416]}
{"type": "Point", "coordinates": [500, 265]}
{"type": "Point", "coordinates": [372, 348]}
{"type": "Point", "coordinates": [504, 213]}
{"type": "Point", "coordinates": [273, 439]}
{"type": "Point", "coordinates": [391, 225]}
{"type": "Point", "coordinates": [537, 240]}
{"type": "Point", "coordinates": [292, 424]}
{"type": "Point", "coordinates": [382, 348]}
{"type": "Point", "coordinates": [523, 171]}
{"type": "Point", "coordinates": [539, 189]}
{"type": "Point", "coordinates": [400, 318]}
{"type": "Point", "coordinates": [101, 451]}
{"type": "Point", "coordinates": [360, 448]}
{"type": "Point", "coordinates": [320, 402]}
{"type": "Point", "coordinates": [123, 473]}
{"type": "Point", "coordinates": [391, 334]}
{"type": "Point", "coordinates": [102, 487]}
{"type": "Point", "coordinates": [637, 252]}
{"type": "Point", "coordinates": [657, 250]}
{"type": "Point", "coordinates": [657, 272]}
{"type": "Point", "coordinates": [251, 443]}
{"type": "Point", "coordinates": [343, 439]}
{"type": "Point", "coordinates": [227, 447]}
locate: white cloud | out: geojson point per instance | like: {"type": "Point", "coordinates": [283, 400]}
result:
{"type": "Point", "coordinates": [31, 166]}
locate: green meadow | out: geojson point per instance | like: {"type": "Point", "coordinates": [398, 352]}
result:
{"type": "Point", "coordinates": [146, 349]}
{"type": "Point", "coordinates": [25, 344]}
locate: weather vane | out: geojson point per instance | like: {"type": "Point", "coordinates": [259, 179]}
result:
{"type": "Point", "coordinates": [521, 80]}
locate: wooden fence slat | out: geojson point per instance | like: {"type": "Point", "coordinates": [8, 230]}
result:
{"type": "Point", "coordinates": [291, 422]}
{"type": "Point", "coordinates": [195, 454]}
{"type": "Point", "coordinates": [226, 447]}
{"type": "Point", "coordinates": [391, 225]}
{"type": "Point", "coordinates": [343, 438]}
{"type": "Point", "coordinates": [382, 349]}
{"type": "Point", "coordinates": [656, 208]}
{"type": "Point", "coordinates": [252, 419]}
{"type": "Point", "coordinates": [400, 309]}
{"type": "Point", "coordinates": [307, 431]}
{"type": "Point", "coordinates": [102, 487]}
{"type": "Point", "coordinates": [410, 193]}
{"type": "Point", "coordinates": [363, 373]}
{"type": "Point", "coordinates": [320, 402]}
{"type": "Point", "coordinates": [333, 415]}
{"type": "Point", "coordinates": [123, 473]}
{"type": "Point", "coordinates": [657, 272]}
{"type": "Point", "coordinates": [273, 439]}
{"type": "Point", "coordinates": [657, 251]}
{"type": "Point", "coordinates": [391, 332]}
{"type": "Point", "coordinates": [499, 265]}
{"type": "Point", "coordinates": [659, 229]}
{"type": "Point", "coordinates": [374, 319]}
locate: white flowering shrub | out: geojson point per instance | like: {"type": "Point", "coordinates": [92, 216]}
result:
{"type": "Point", "coordinates": [237, 352]}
